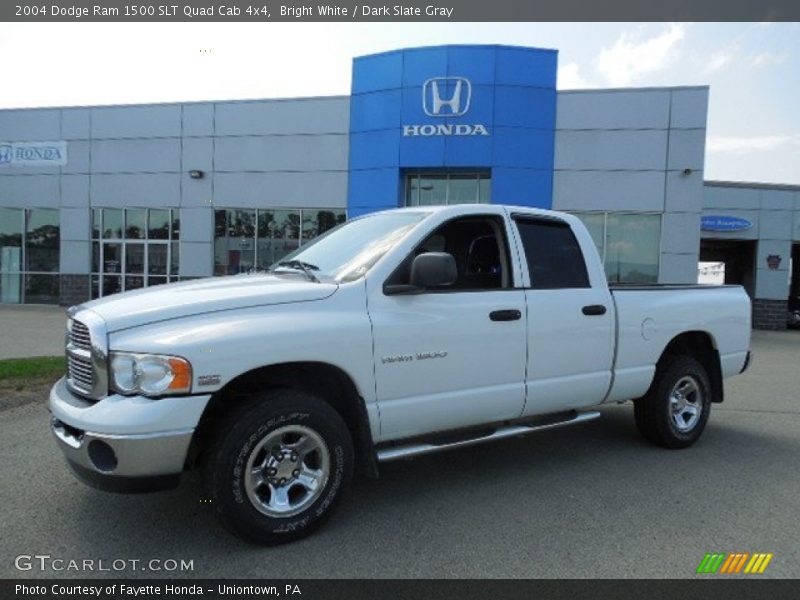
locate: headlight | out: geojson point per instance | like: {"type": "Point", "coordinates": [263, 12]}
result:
{"type": "Point", "coordinates": [150, 374]}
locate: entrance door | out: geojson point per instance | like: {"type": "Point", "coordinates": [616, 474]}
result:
{"type": "Point", "coordinates": [794, 286]}
{"type": "Point", "coordinates": [739, 257]}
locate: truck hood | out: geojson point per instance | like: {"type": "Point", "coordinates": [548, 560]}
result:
{"type": "Point", "coordinates": [164, 302]}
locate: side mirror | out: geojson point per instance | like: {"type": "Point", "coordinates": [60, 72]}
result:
{"type": "Point", "coordinates": [433, 269]}
{"type": "Point", "coordinates": [428, 270]}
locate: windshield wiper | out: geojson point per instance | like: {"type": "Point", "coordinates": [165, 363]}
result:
{"type": "Point", "coordinates": [305, 267]}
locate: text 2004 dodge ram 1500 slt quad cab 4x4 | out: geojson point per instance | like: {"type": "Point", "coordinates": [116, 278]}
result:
{"type": "Point", "coordinates": [393, 335]}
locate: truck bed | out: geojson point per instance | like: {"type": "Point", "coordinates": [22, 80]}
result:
{"type": "Point", "coordinates": [650, 316]}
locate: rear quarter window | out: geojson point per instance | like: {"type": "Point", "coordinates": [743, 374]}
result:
{"type": "Point", "coordinates": [555, 260]}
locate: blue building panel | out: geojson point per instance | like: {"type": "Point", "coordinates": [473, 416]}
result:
{"type": "Point", "coordinates": [377, 72]}
{"type": "Point", "coordinates": [375, 110]}
{"type": "Point", "coordinates": [522, 187]}
{"type": "Point", "coordinates": [483, 108]}
{"type": "Point", "coordinates": [373, 189]}
{"type": "Point", "coordinates": [530, 107]}
{"type": "Point", "coordinates": [527, 148]}
{"type": "Point", "coordinates": [531, 67]}
{"type": "Point", "coordinates": [469, 152]}
{"type": "Point", "coordinates": [374, 149]}
{"type": "Point", "coordinates": [423, 152]}
{"type": "Point", "coordinates": [476, 61]}
{"type": "Point", "coordinates": [418, 64]}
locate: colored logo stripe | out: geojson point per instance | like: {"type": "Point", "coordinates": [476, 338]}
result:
{"type": "Point", "coordinates": [735, 562]}
{"type": "Point", "coordinates": [720, 562]}
{"type": "Point", "coordinates": [758, 563]}
{"type": "Point", "coordinates": [710, 563]}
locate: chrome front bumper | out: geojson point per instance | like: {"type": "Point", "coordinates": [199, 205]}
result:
{"type": "Point", "coordinates": [126, 462]}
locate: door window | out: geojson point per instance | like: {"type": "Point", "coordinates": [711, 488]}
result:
{"type": "Point", "coordinates": [555, 260]}
{"type": "Point", "coordinates": [479, 248]}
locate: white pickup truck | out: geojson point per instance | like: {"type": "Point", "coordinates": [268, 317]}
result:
{"type": "Point", "coordinates": [393, 335]}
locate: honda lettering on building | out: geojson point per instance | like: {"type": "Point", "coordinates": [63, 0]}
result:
{"type": "Point", "coordinates": [33, 154]}
{"type": "Point", "coordinates": [446, 97]}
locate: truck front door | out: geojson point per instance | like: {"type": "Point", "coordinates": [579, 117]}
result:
{"type": "Point", "coordinates": [454, 356]}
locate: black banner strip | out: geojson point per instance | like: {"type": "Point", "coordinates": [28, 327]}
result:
{"type": "Point", "coordinates": [710, 588]}
{"type": "Point", "coordinates": [405, 11]}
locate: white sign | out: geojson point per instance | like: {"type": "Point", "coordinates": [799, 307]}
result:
{"type": "Point", "coordinates": [449, 129]}
{"type": "Point", "coordinates": [33, 154]}
{"type": "Point", "coordinates": [458, 103]}
{"type": "Point", "coordinates": [446, 97]}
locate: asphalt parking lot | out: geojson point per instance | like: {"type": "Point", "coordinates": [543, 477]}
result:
{"type": "Point", "coordinates": [590, 501]}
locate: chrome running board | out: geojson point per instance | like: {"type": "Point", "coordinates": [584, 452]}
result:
{"type": "Point", "coordinates": [419, 448]}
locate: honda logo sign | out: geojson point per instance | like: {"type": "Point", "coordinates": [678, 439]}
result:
{"type": "Point", "coordinates": [33, 154]}
{"type": "Point", "coordinates": [446, 96]}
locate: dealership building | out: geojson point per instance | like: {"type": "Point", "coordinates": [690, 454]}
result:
{"type": "Point", "coordinates": [97, 200]}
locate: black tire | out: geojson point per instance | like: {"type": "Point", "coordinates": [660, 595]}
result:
{"type": "Point", "coordinates": [246, 507]}
{"type": "Point", "coordinates": [668, 424]}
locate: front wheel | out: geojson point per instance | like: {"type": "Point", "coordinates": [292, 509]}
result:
{"type": "Point", "coordinates": [675, 409]}
{"type": "Point", "coordinates": [278, 466]}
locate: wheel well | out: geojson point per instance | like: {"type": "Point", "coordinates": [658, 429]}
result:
{"type": "Point", "coordinates": [325, 381]}
{"type": "Point", "coordinates": [700, 346]}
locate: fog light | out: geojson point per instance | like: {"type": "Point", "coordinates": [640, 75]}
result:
{"type": "Point", "coordinates": [102, 456]}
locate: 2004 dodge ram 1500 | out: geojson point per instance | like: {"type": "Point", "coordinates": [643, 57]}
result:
{"type": "Point", "coordinates": [393, 335]}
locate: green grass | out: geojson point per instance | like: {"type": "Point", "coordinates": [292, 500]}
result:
{"type": "Point", "coordinates": [14, 370]}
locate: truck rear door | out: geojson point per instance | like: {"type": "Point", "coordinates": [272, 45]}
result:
{"type": "Point", "coordinates": [570, 316]}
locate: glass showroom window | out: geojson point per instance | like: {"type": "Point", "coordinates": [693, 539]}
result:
{"type": "Point", "coordinates": [427, 189]}
{"type": "Point", "coordinates": [629, 244]}
{"type": "Point", "coordinates": [245, 239]}
{"type": "Point", "coordinates": [29, 255]}
{"type": "Point", "coordinates": [133, 248]}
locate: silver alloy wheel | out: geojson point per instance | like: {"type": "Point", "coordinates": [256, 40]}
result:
{"type": "Point", "coordinates": [686, 403]}
{"type": "Point", "coordinates": [287, 471]}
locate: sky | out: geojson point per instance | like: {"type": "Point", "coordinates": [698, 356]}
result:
{"type": "Point", "coordinates": [753, 69]}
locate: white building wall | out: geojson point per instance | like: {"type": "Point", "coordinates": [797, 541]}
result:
{"type": "Point", "coordinates": [636, 150]}
{"type": "Point", "coordinates": [271, 153]}
{"type": "Point", "coordinates": [774, 212]}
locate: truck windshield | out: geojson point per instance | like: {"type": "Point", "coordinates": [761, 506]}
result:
{"type": "Point", "coordinates": [348, 251]}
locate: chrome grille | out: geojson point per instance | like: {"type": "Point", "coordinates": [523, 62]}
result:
{"type": "Point", "coordinates": [79, 335]}
{"type": "Point", "coordinates": [87, 351]}
{"type": "Point", "coordinates": [80, 373]}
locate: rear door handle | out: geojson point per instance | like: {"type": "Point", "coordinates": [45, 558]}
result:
{"type": "Point", "coordinates": [594, 310]}
{"type": "Point", "coordinates": [505, 315]}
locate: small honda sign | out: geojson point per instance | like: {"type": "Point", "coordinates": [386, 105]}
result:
{"type": "Point", "coordinates": [33, 154]}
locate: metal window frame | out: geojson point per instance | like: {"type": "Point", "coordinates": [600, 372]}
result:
{"type": "Point", "coordinates": [123, 242]}
{"type": "Point", "coordinates": [258, 211]}
{"type": "Point", "coordinates": [448, 175]}
{"type": "Point", "coordinates": [606, 213]}
{"type": "Point", "coordinates": [22, 272]}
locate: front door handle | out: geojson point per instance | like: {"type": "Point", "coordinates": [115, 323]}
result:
{"type": "Point", "coordinates": [594, 310]}
{"type": "Point", "coordinates": [505, 315]}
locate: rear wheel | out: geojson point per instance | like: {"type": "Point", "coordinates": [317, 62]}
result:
{"type": "Point", "coordinates": [278, 466]}
{"type": "Point", "coordinates": [675, 409]}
